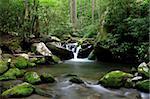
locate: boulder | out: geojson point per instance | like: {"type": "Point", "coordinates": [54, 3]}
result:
{"type": "Point", "coordinates": [115, 79]}
{"type": "Point", "coordinates": [84, 52]}
{"type": "Point", "coordinates": [22, 63]}
{"type": "Point", "coordinates": [3, 67]}
{"type": "Point", "coordinates": [12, 74]}
{"type": "Point", "coordinates": [48, 78]}
{"type": "Point", "coordinates": [32, 77]}
{"type": "Point", "coordinates": [143, 85]}
{"type": "Point", "coordinates": [144, 69]}
{"type": "Point", "coordinates": [76, 80]}
{"type": "Point", "coordinates": [102, 54]}
{"type": "Point", "coordinates": [21, 90]}
{"type": "Point", "coordinates": [59, 51]}
{"type": "Point", "coordinates": [42, 49]}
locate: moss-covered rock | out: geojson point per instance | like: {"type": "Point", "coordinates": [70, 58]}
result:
{"type": "Point", "coordinates": [76, 80]}
{"type": "Point", "coordinates": [115, 79]}
{"type": "Point", "coordinates": [21, 63]}
{"type": "Point", "coordinates": [3, 67]}
{"type": "Point", "coordinates": [143, 85]}
{"type": "Point", "coordinates": [32, 77]}
{"type": "Point", "coordinates": [24, 89]}
{"type": "Point", "coordinates": [12, 74]}
{"type": "Point", "coordinates": [56, 59]}
{"type": "Point", "coordinates": [144, 69]}
{"type": "Point", "coordinates": [48, 78]}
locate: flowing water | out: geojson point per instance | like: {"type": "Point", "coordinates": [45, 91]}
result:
{"type": "Point", "coordinates": [90, 72]}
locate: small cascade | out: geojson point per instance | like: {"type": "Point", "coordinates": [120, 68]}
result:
{"type": "Point", "coordinates": [74, 48]}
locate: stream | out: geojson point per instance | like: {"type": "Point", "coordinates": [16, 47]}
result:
{"type": "Point", "coordinates": [90, 72]}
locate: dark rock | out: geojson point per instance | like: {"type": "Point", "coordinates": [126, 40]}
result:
{"type": "Point", "coordinates": [48, 78]}
{"type": "Point", "coordinates": [76, 80]}
{"type": "Point", "coordinates": [84, 52]}
{"type": "Point", "coordinates": [43, 92]}
{"type": "Point", "coordinates": [61, 52]}
{"type": "Point", "coordinates": [143, 85]}
{"type": "Point", "coordinates": [102, 54]}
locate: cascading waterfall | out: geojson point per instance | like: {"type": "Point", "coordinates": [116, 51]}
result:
{"type": "Point", "coordinates": [74, 48]}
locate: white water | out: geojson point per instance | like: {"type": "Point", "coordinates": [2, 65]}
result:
{"type": "Point", "coordinates": [74, 48]}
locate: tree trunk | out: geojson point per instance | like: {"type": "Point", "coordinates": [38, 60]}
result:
{"type": "Point", "coordinates": [74, 14]}
{"type": "Point", "coordinates": [93, 8]}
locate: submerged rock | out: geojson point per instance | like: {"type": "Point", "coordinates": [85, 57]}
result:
{"type": "Point", "coordinates": [143, 85]}
{"type": "Point", "coordinates": [3, 67]}
{"type": "Point", "coordinates": [76, 80]}
{"type": "Point", "coordinates": [12, 74]}
{"type": "Point", "coordinates": [32, 77]}
{"type": "Point", "coordinates": [144, 69]}
{"type": "Point", "coordinates": [24, 89]}
{"type": "Point", "coordinates": [48, 78]}
{"type": "Point", "coordinates": [115, 79]}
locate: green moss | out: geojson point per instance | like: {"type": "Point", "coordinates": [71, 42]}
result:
{"type": "Point", "coordinates": [56, 59]}
{"type": "Point", "coordinates": [3, 67]}
{"type": "Point", "coordinates": [12, 74]}
{"type": "Point", "coordinates": [24, 89]}
{"type": "Point", "coordinates": [115, 79]}
{"type": "Point", "coordinates": [32, 77]}
{"type": "Point", "coordinates": [22, 63]}
{"type": "Point", "coordinates": [45, 77]}
{"type": "Point", "coordinates": [143, 85]}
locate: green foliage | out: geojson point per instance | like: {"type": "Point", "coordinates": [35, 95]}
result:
{"type": "Point", "coordinates": [126, 23]}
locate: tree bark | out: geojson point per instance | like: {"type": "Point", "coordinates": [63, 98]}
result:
{"type": "Point", "coordinates": [74, 14]}
{"type": "Point", "coordinates": [93, 8]}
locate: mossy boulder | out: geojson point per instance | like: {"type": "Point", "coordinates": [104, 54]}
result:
{"type": "Point", "coordinates": [21, 63]}
{"type": "Point", "coordinates": [144, 69]}
{"type": "Point", "coordinates": [21, 90]}
{"type": "Point", "coordinates": [76, 80]}
{"type": "Point", "coordinates": [12, 74]}
{"type": "Point", "coordinates": [3, 67]}
{"type": "Point", "coordinates": [115, 79]}
{"type": "Point", "coordinates": [32, 77]}
{"type": "Point", "coordinates": [48, 78]}
{"type": "Point", "coordinates": [143, 85]}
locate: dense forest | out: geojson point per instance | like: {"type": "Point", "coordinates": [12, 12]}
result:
{"type": "Point", "coordinates": [49, 32]}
